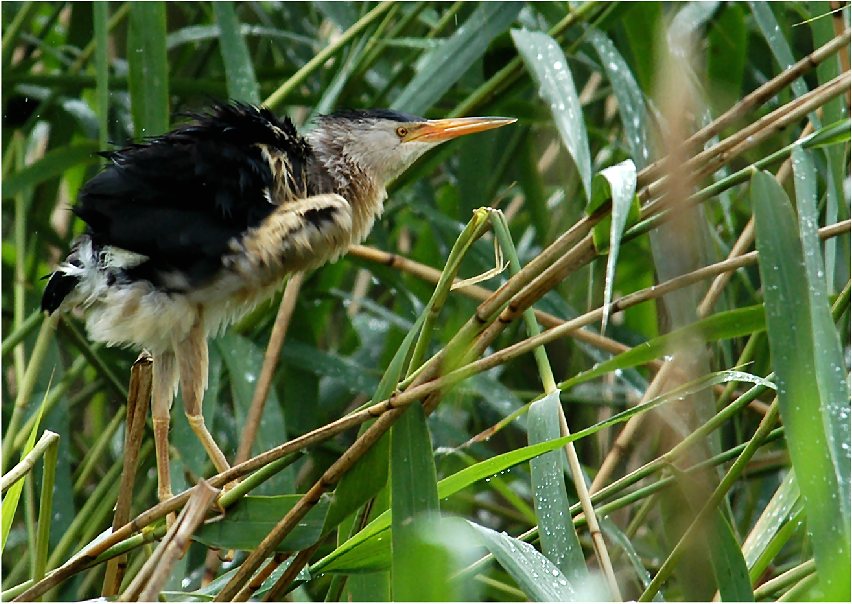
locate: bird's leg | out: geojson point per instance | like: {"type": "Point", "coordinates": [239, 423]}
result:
{"type": "Point", "coordinates": [192, 361]}
{"type": "Point", "coordinates": [165, 378]}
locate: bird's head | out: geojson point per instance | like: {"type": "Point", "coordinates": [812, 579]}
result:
{"type": "Point", "coordinates": [384, 143]}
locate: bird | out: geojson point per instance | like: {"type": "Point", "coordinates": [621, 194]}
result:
{"type": "Point", "coordinates": [188, 231]}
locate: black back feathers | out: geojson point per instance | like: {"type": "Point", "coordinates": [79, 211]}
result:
{"type": "Point", "coordinates": [179, 198]}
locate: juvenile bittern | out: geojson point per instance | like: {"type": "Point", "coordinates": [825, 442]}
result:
{"type": "Point", "coordinates": [188, 231]}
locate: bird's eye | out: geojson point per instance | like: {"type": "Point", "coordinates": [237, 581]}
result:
{"type": "Point", "coordinates": [401, 131]}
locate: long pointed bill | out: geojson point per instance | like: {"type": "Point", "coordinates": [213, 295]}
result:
{"type": "Point", "coordinates": [435, 131]}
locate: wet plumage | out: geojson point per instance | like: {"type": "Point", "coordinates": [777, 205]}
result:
{"type": "Point", "coordinates": [186, 232]}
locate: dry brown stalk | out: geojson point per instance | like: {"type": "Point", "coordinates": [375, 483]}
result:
{"type": "Point", "coordinates": [754, 99]}
{"type": "Point", "coordinates": [786, 115]}
{"type": "Point", "coordinates": [270, 362]}
{"type": "Point", "coordinates": [155, 572]}
{"type": "Point", "coordinates": [625, 437]}
{"type": "Point", "coordinates": [740, 247]}
{"type": "Point", "coordinates": [473, 352]}
{"type": "Point", "coordinates": [359, 291]}
{"type": "Point", "coordinates": [138, 399]}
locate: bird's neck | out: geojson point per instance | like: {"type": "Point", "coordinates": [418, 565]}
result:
{"type": "Point", "coordinates": [335, 172]}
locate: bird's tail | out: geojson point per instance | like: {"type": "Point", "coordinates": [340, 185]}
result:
{"type": "Point", "coordinates": [58, 287]}
{"type": "Point", "coordinates": [64, 281]}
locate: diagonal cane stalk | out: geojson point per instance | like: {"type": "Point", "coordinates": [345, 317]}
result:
{"type": "Point", "coordinates": [239, 588]}
{"type": "Point", "coordinates": [270, 362]}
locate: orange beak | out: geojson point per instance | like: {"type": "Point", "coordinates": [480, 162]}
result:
{"type": "Point", "coordinates": [435, 131]}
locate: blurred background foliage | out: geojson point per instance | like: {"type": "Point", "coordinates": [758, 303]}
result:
{"type": "Point", "coordinates": [590, 91]}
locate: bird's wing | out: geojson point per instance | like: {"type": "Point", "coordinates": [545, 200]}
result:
{"type": "Point", "coordinates": [299, 235]}
{"type": "Point", "coordinates": [179, 199]}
